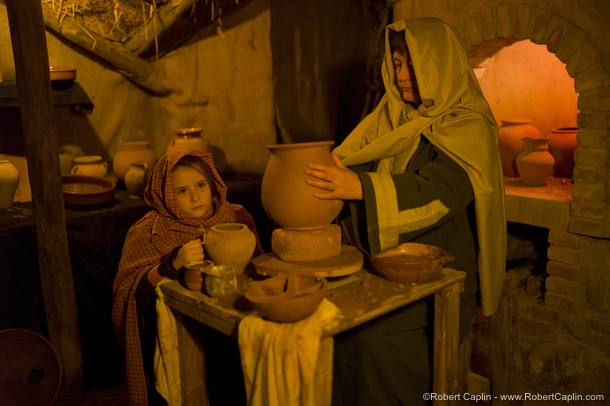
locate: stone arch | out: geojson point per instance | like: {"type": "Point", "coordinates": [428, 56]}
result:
{"type": "Point", "coordinates": [485, 32]}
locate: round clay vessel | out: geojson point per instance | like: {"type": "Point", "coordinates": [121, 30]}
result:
{"type": "Point", "coordinates": [230, 244]}
{"type": "Point", "coordinates": [193, 274]}
{"type": "Point", "coordinates": [535, 163]}
{"type": "Point", "coordinates": [89, 165]}
{"type": "Point", "coordinates": [189, 138]}
{"type": "Point", "coordinates": [220, 280]}
{"type": "Point", "coordinates": [128, 152]}
{"type": "Point", "coordinates": [9, 180]}
{"type": "Point", "coordinates": [562, 144]}
{"type": "Point", "coordinates": [287, 298]}
{"type": "Point", "coordinates": [410, 262]}
{"type": "Point", "coordinates": [511, 144]}
{"type": "Point", "coordinates": [135, 179]}
{"type": "Point", "coordinates": [287, 199]}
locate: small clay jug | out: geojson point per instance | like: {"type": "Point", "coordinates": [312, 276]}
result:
{"type": "Point", "coordinates": [230, 244]}
{"type": "Point", "coordinates": [562, 144]}
{"type": "Point", "coordinates": [135, 179]}
{"type": "Point", "coordinates": [511, 144]}
{"type": "Point", "coordinates": [9, 179]}
{"type": "Point", "coordinates": [128, 152]}
{"type": "Point", "coordinates": [189, 138]}
{"type": "Point", "coordinates": [194, 274]}
{"type": "Point", "coordinates": [89, 165]}
{"type": "Point", "coordinates": [220, 280]}
{"type": "Point", "coordinates": [287, 199]}
{"type": "Point", "coordinates": [535, 163]}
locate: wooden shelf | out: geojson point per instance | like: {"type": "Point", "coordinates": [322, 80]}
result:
{"type": "Point", "coordinates": [543, 206]}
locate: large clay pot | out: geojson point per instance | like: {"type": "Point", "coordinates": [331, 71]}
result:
{"type": "Point", "coordinates": [511, 144]}
{"type": "Point", "coordinates": [89, 165]}
{"type": "Point", "coordinates": [535, 163]}
{"type": "Point", "coordinates": [9, 179]}
{"type": "Point", "coordinates": [189, 138]}
{"type": "Point", "coordinates": [135, 179]}
{"type": "Point", "coordinates": [230, 244]}
{"type": "Point", "coordinates": [562, 144]}
{"type": "Point", "coordinates": [287, 199]}
{"type": "Point", "coordinates": [128, 152]}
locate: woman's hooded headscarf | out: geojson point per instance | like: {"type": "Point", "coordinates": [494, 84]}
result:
{"type": "Point", "coordinates": [150, 240]}
{"type": "Point", "coordinates": [455, 117]}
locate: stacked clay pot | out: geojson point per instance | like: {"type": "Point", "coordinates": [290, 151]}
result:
{"type": "Point", "coordinates": [511, 144]}
{"type": "Point", "coordinates": [535, 163]}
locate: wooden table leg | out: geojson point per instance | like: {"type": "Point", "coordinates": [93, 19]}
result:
{"type": "Point", "coordinates": [323, 379]}
{"type": "Point", "coordinates": [446, 337]}
{"type": "Point", "coordinates": [192, 361]}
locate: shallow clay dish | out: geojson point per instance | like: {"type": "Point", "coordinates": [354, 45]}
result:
{"type": "Point", "coordinates": [62, 73]}
{"type": "Point", "coordinates": [31, 371]}
{"type": "Point", "coordinates": [287, 298]}
{"type": "Point", "coordinates": [82, 190]}
{"type": "Point", "coordinates": [410, 262]}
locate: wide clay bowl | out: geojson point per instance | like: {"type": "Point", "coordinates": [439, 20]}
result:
{"type": "Point", "coordinates": [87, 190]}
{"type": "Point", "coordinates": [287, 298]}
{"type": "Point", "coordinates": [410, 262]}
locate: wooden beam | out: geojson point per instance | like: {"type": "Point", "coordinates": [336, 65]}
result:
{"type": "Point", "coordinates": [34, 90]}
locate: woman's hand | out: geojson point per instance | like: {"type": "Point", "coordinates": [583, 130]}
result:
{"type": "Point", "coordinates": [189, 252]}
{"type": "Point", "coordinates": [339, 181]}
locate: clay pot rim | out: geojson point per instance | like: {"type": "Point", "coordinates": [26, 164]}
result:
{"type": "Point", "coordinates": [134, 144]}
{"type": "Point", "coordinates": [186, 131]}
{"type": "Point", "coordinates": [514, 121]}
{"type": "Point", "coordinates": [565, 129]}
{"type": "Point", "coordinates": [299, 145]}
{"type": "Point", "coordinates": [88, 159]}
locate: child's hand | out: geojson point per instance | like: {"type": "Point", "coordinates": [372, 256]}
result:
{"type": "Point", "coordinates": [191, 251]}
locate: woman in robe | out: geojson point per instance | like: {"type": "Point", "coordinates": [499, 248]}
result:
{"type": "Point", "coordinates": [187, 197]}
{"type": "Point", "coordinates": [423, 167]}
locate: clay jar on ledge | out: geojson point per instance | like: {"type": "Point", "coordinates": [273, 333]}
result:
{"type": "Point", "coordinates": [535, 163]}
{"type": "Point", "coordinates": [511, 144]}
{"type": "Point", "coordinates": [287, 199]}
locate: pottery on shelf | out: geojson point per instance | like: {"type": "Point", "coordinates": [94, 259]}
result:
{"type": "Point", "coordinates": [535, 163]}
{"type": "Point", "coordinates": [230, 244]}
{"type": "Point", "coordinates": [89, 165]}
{"type": "Point", "coordinates": [562, 144]}
{"type": "Point", "coordinates": [9, 179]}
{"type": "Point", "coordinates": [287, 199]}
{"type": "Point", "coordinates": [511, 144]}
{"type": "Point", "coordinates": [135, 179]}
{"type": "Point", "coordinates": [189, 138]}
{"type": "Point", "coordinates": [128, 152]}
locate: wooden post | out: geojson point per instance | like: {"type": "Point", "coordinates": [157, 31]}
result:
{"type": "Point", "coordinates": [34, 88]}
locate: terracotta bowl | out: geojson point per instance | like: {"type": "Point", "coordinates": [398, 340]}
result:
{"type": "Point", "coordinates": [287, 298]}
{"type": "Point", "coordinates": [87, 190]}
{"type": "Point", "coordinates": [410, 262]}
{"type": "Point", "coordinates": [62, 73]}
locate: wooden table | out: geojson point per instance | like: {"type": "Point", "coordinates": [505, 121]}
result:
{"type": "Point", "coordinates": [360, 297]}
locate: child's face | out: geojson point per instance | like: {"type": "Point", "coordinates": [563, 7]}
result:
{"type": "Point", "coordinates": [192, 190]}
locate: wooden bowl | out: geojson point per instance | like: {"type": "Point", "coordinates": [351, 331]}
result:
{"type": "Point", "coordinates": [287, 298]}
{"type": "Point", "coordinates": [80, 190]}
{"type": "Point", "coordinates": [410, 262]}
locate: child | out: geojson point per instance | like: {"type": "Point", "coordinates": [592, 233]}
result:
{"type": "Point", "coordinates": [187, 197]}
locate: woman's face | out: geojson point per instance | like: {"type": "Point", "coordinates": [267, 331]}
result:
{"type": "Point", "coordinates": [405, 75]}
{"type": "Point", "coordinates": [192, 191]}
